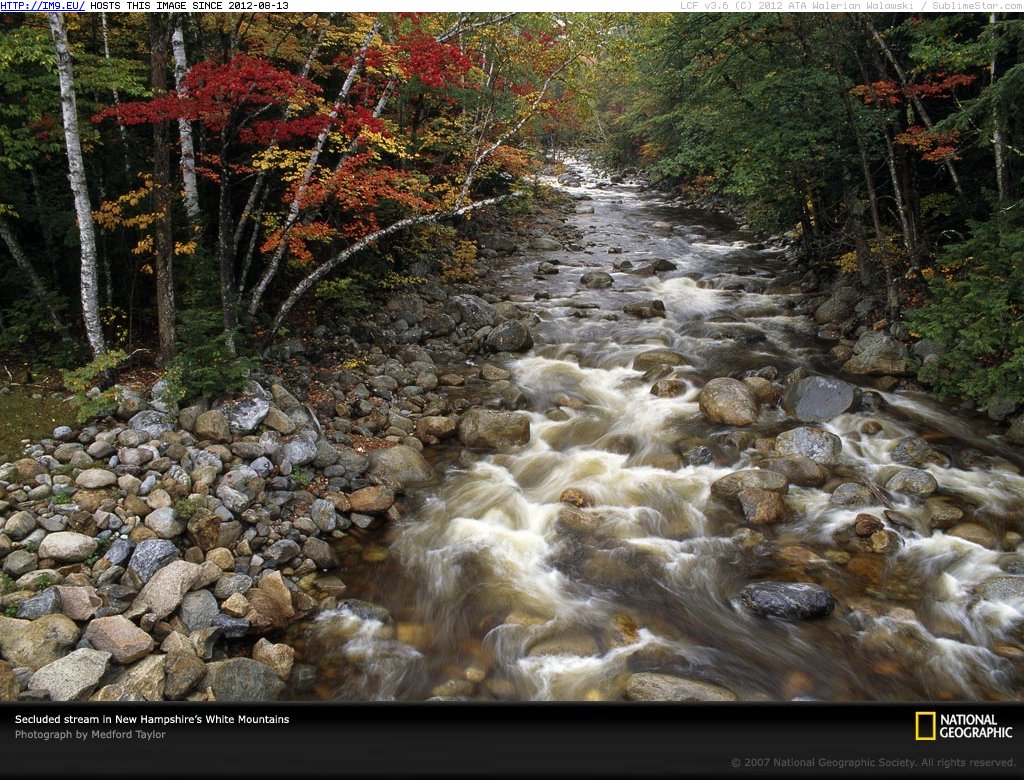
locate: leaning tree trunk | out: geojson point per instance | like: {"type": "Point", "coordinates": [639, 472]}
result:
{"type": "Point", "coordinates": [25, 266]}
{"type": "Point", "coordinates": [998, 123]}
{"type": "Point", "coordinates": [188, 154]}
{"type": "Point", "coordinates": [163, 237]}
{"type": "Point", "coordinates": [79, 187]}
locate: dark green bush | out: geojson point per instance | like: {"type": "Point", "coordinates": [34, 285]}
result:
{"type": "Point", "coordinates": [976, 310]}
{"type": "Point", "coordinates": [206, 365]}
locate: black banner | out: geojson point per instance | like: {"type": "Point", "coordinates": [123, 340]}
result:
{"type": "Point", "coordinates": [598, 740]}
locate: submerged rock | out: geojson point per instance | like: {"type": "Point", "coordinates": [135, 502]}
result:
{"type": "Point", "coordinates": [647, 686]}
{"type": "Point", "coordinates": [728, 401]}
{"type": "Point", "coordinates": [819, 445]}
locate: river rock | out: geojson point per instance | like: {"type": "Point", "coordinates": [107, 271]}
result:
{"type": "Point", "coordinates": [67, 547]}
{"type": "Point", "coordinates": [164, 523]}
{"type": "Point", "coordinates": [729, 486]}
{"type": "Point", "coordinates": [399, 467]}
{"type": "Point", "coordinates": [819, 398]}
{"type": "Point", "coordinates": [183, 670]}
{"type": "Point", "coordinates": [488, 429]}
{"type": "Point", "coordinates": [916, 481]}
{"type": "Point", "coordinates": [915, 451]}
{"type": "Point", "coordinates": [242, 679]}
{"type": "Point", "coordinates": [150, 556]}
{"type": "Point", "coordinates": [728, 401]}
{"type": "Point", "coordinates": [799, 470]}
{"type": "Point", "coordinates": [119, 638]}
{"type": "Point", "coordinates": [245, 415]}
{"type": "Point", "coordinates": [648, 686]}
{"type": "Point", "coordinates": [72, 677]}
{"type": "Point", "coordinates": [879, 354]}
{"type": "Point", "coordinates": [19, 563]}
{"type": "Point", "coordinates": [151, 422]}
{"type": "Point", "coordinates": [645, 310]}
{"type": "Point", "coordinates": [851, 495]}
{"type": "Point", "coordinates": [645, 361]}
{"type": "Point", "coordinates": [789, 600]}
{"type": "Point", "coordinates": [544, 244]}
{"type": "Point", "coordinates": [473, 311]}
{"type": "Point", "coordinates": [199, 608]}
{"type": "Point", "coordinates": [835, 309]}
{"type": "Point", "coordinates": [45, 603]}
{"type": "Point", "coordinates": [596, 280]}
{"type": "Point", "coordinates": [373, 500]}
{"type": "Point", "coordinates": [35, 643]}
{"type": "Point", "coordinates": [298, 450]}
{"type": "Point", "coordinates": [93, 479]}
{"type": "Point", "coordinates": [819, 445]}
{"type": "Point", "coordinates": [278, 657]}
{"type": "Point", "coordinates": [78, 602]}
{"type": "Point", "coordinates": [1002, 588]}
{"type": "Point", "coordinates": [762, 506]}
{"type": "Point", "coordinates": [213, 425]}
{"type": "Point", "coordinates": [165, 589]}
{"type": "Point", "coordinates": [509, 336]}
{"type": "Point", "coordinates": [972, 532]}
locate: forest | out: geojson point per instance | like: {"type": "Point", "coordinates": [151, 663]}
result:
{"type": "Point", "coordinates": [227, 172]}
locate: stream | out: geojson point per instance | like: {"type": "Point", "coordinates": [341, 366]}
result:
{"type": "Point", "coordinates": [494, 589]}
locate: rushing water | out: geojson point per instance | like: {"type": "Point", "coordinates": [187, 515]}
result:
{"type": "Point", "coordinates": [496, 594]}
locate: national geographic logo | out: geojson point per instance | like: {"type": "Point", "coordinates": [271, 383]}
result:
{"type": "Point", "coordinates": [930, 727]}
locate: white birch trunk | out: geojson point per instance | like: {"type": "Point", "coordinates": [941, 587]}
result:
{"type": "Point", "coordinates": [188, 153]}
{"type": "Point", "coordinates": [79, 187]}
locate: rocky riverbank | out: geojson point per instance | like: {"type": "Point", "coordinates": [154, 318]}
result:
{"type": "Point", "coordinates": [159, 553]}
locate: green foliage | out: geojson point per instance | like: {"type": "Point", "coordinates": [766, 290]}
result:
{"type": "Point", "coordinates": [62, 499]}
{"type": "Point", "coordinates": [88, 399]}
{"type": "Point", "coordinates": [28, 327]}
{"type": "Point", "coordinates": [977, 311]}
{"type": "Point", "coordinates": [350, 295]}
{"type": "Point", "coordinates": [302, 477]}
{"type": "Point", "coordinates": [186, 508]}
{"type": "Point", "coordinates": [11, 610]}
{"type": "Point", "coordinates": [6, 583]}
{"type": "Point", "coordinates": [44, 582]}
{"type": "Point", "coordinates": [205, 365]}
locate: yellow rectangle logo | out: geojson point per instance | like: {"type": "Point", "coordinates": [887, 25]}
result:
{"type": "Point", "coordinates": [924, 726]}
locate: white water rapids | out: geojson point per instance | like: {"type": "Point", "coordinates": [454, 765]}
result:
{"type": "Point", "coordinates": [500, 599]}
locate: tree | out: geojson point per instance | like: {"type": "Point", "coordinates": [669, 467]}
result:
{"type": "Point", "coordinates": [79, 187]}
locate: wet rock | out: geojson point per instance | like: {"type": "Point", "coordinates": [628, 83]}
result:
{"type": "Point", "coordinates": [998, 408]}
{"type": "Point", "coordinates": [93, 479]}
{"type": "Point", "coordinates": [762, 506]}
{"type": "Point", "coordinates": [647, 686]}
{"type": "Point", "coordinates": [372, 500]}
{"type": "Point", "coordinates": [596, 280]}
{"type": "Point", "coordinates": [399, 467]}
{"type": "Point", "coordinates": [320, 552]}
{"type": "Point", "coordinates": [645, 361]}
{"type": "Point", "coordinates": [67, 547]}
{"type": "Point", "coordinates": [788, 600]}
{"type": "Point", "coordinates": [487, 429]}
{"type": "Point", "coordinates": [72, 677]}
{"type": "Point", "coordinates": [669, 388]}
{"type": "Point", "coordinates": [645, 310]}
{"type": "Point", "coordinates": [509, 336]}
{"type": "Point", "coordinates": [972, 532]}
{"type": "Point", "coordinates": [819, 398]}
{"type": "Point", "coordinates": [819, 445]}
{"type": "Point", "coordinates": [942, 514]}
{"type": "Point", "coordinates": [544, 244]}
{"type": "Point", "coordinates": [879, 354]}
{"type": "Point", "coordinates": [729, 486]}
{"type": "Point", "coordinates": [1002, 588]}
{"type": "Point", "coordinates": [36, 643]}
{"type": "Point", "coordinates": [728, 401]}
{"type": "Point", "coordinates": [915, 451]}
{"type": "Point", "coordinates": [915, 481]}
{"type": "Point", "coordinates": [866, 526]}
{"type": "Point", "coordinates": [119, 638]}
{"type": "Point", "coordinates": [852, 495]}
{"type": "Point", "coordinates": [798, 470]}
{"type": "Point", "coordinates": [242, 679]}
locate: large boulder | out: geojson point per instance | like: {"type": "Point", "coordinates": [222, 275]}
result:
{"type": "Point", "coordinates": [399, 467]}
{"type": "Point", "coordinates": [728, 401]}
{"type": "Point", "coordinates": [509, 336]}
{"type": "Point", "coordinates": [648, 686]}
{"type": "Point", "coordinates": [819, 398]}
{"type": "Point", "coordinates": [914, 481]}
{"type": "Point", "coordinates": [819, 445]}
{"type": "Point", "coordinates": [493, 430]}
{"type": "Point", "coordinates": [789, 600]}
{"type": "Point", "coordinates": [473, 311]}
{"type": "Point", "coordinates": [879, 354]}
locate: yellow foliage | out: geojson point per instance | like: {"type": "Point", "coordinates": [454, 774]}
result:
{"type": "Point", "coordinates": [847, 263]}
{"type": "Point", "coordinates": [184, 249]}
{"type": "Point", "coordinates": [461, 267]}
